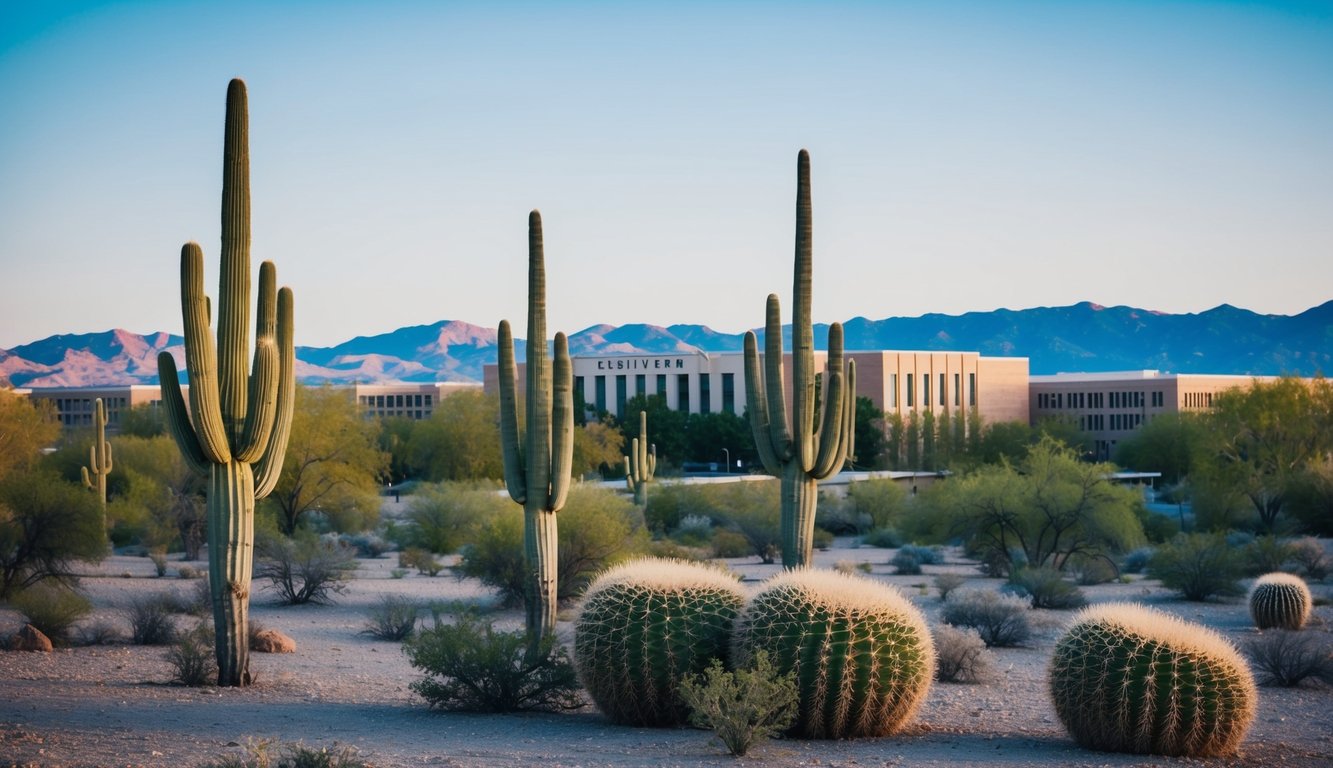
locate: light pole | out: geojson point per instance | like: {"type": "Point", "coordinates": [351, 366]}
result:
{"type": "Point", "coordinates": [727, 468]}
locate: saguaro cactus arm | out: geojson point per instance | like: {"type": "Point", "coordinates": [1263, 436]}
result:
{"type": "Point", "coordinates": [515, 478]}
{"type": "Point", "coordinates": [562, 424]}
{"type": "Point", "coordinates": [269, 465]}
{"type": "Point", "coordinates": [178, 416]}
{"type": "Point", "coordinates": [757, 398]}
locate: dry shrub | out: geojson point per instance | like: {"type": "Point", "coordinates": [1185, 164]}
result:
{"type": "Point", "coordinates": [1287, 658]}
{"type": "Point", "coordinates": [961, 656]}
{"type": "Point", "coordinates": [150, 619]}
{"type": "Point", "coordinates": [1000, 620]}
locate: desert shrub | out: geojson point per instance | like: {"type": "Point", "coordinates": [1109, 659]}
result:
{"type": "Point", "coordinates": [471, 667]}
{"type": "Point", "coordinates": [420, 558]}
{"type": "Point", "coordinates": [1000, 620]}
{"type": "Point", "coordinates": [961, 656]}
{"type": "Point", "coordinates": [821, 539]}
{"type": "Point", "coordinates": [1288, 658]}
{"type": "Point", "coordinates": [925, 555]}
{"type": "Point", "coordinates": [45, 525]}
{"type": "Point", "coordinates": [97, 633]}
{"type": "Point", "coordinates": [948, 582]}
{"type": "Point", "coordinates": [730, 544]}
{"type": "Point", "coordinates": [851, 567]}
{"type": "Point", "coordinates": [261, 754]}
{"type": "Point", "coordinates": [1199, 565]}
{"type": "Point", "coordinates": [1309, 554]}
{"type": "Point", "coordinates": [52, 609]}
{"type": "Point", "coordinates": [1137, 560]}
{"type": "Point", "coordinates": [596, 529]}
{"type": "Point", "coordinates": [447, 515]}
{"type": "Point", "coordinates": [906, 563]}
{"type": "Point", "coordinates": [150, 619]}
{"type": "Point", "coordinates": [750, 509]}
{"type": "Point", "coordinates": [744, 706]}
{"type": "Point", "coordinates": [1266, 554]}
{"type": "Point", "coordinates": [394, 617]}
{"type": "Point", "coordinates": [191, 657]}
{"type": "Point", "coordinates": [882, 501]}
{"type": "Point", "coordinates": [1088, 571]}
{"type": "Point", "coordinates": [672, 550]}
{"type": "Point", "coordinates": [884, 538]}
{"type": "Point", "coordinates": [840, 518]}
{"type": "Point", "coordinates": [189, 572]}
{"type": "Point", "coordinates": [159, 562]}
{"type": "Point", "coordinates": [305, 568]}
{"type": "Point", "coordinates": [198, 599]}
{"type": "Point", "coordinates": [1047, 588]}
{"type": "Point", "coordinates": [700, 527]}
{"type": "Point", "coordinates": [366, 544]}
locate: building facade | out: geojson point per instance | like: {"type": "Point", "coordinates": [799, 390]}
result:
{"type": "Point", "coordinates": [1111, 406]}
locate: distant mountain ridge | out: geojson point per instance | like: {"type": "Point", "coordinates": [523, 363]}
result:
{"type": "Point", "coordinates": [1083, 337]}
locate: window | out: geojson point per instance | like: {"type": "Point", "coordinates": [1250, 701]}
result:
{"type": "Point", "coordinates": [705, 393]}
{"type": "Point", "coordinates": [661, 385]}
{"type": "Point", "coordinates": [599, 393]}
{"type": "Point", "coordinates": [942, 393]}
{"type": "Point", "coordinates": [971, 389]}
{"type": "Point", "coordinates": [641, 384]}
{"type": "Point", "coordinates": [957, 389]}
{"type": "Point", "coordinates": [728, 393]}
{"type": "Point", "coordinates": [925, 390]}
{"type": "Point", "coordinates": [578, 394]}
{"type": "Point", "coordinates": [683, 392]}
{"type": "Point", "coordinates": [911, 401]}
{"type": "Point", "coordinates": [621, 394]}
{"type": "Point", "coordinates": [893, 390]}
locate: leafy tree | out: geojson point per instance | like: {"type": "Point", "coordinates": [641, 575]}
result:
{"type": "Point", "coordinates": [333, 464]}
{"type": "Point", "coordinates": [1005, 441]}
{"type": "Point", "coordinates": [158, 481]}
{"type": "Point", "coordinates": [871, 442]}
{"type": "Point", "coordinates": [1265, 437]}
{"type": "Point", "coordinates": [894, 449]}
{"type": "Point", "coordinates": [448, 515]}
{"type": "Point", "coordinates": [598, 447]}
{"type": "Point", "coordinates": [459, 441]}
{"type": "Point", "coordinates": [1050, 506]}
{"type": "Point", "coordinates": [143, 420]}
{"type": "Point", "coordinates": [25, 429]}
{"type": "Point", "coordinates": [929, 456]}
{"type": "Point", "coordinates": [1065, 429]}
{"type": "Point", "coordinates": [1169, 444]}
{"type": "Point", "coordinates": [708, 433]}
{"type": "Point", "coordinates": [1311, 497]}
{"type": "Point", "coordinates": [395, 434]}
{"type": "Point", "coordinates": [45, 524]}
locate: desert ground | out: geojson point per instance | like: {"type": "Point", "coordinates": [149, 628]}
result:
{"type": "Point", "coordinates": [110, 705]}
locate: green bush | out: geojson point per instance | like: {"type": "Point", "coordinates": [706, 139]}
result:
{"type": "Point", "coordinates": [52, 609]}
{"type": "Point", "coordinates": [948, 582]}
{"type": "Point", "coordinates": [1000, 620]}
{"type": "Point", "coordinates": [1047, 588]}
{"type": "Point", "coordinates": [1266, 554]}
{"type": "Point", "coordinates": [730, 544]}
{"type": "Point", "coordinates": [1309, 554]}
{"type": "Point", "coordinates": [744, 706]}
{"type": "Point", "coordinates": [883, 502]}
{"type": "Point", "coordinates": [884, 538]}
{"type": "Point", "coordinates": [906, 563]}
{"type": "Point", "coordinates": [596, 529]}
{"type": "Point", "coordinates": [192, 657]}
{"type": "Point", "coordinates": [305, 568]}
{"type": "Point", "coordinates": [421, 559]}
{"type": "Point", "coordinates": [150, 619]}
{"type": "Point", "coordinates": [471, 667]}
{"type": "Point", "coordinates": [45, 525]}
{"type": "Point", "coordinates": [446, 516]}
{"type": "Point", "coordinates": [1199, 565]}
{"type": "Point", "coordinates": [394, 617]}
{"type": "Point", "coordinates": [749, 508]}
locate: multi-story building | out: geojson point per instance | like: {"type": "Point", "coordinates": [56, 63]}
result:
{"type": "Point", "coordinates": [1111, 406]}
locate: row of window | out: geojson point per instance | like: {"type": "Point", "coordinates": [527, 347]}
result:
{"type": "Point", "coordinates": [622, 391]}
{"type": "Point", "coordinates": [1198, 399]}
{"type": "Point", "coordinates": [1080, 400]}
{"type": "Point", "coordinates": [78, 411]}
{"type": "Point", "coordinates": [941, 392]}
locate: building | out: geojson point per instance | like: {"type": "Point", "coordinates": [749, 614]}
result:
{"type": "Point", "coordinates": [714, 382]}
{"type": "Point", "coordinates": [412, 401]}
{"type": "Point", "coordinates": [1111, 406]}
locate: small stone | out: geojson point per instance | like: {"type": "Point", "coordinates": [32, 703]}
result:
{"type": "Point", "coordinates": [30, 638]}
{"type": "Point", "coordinates": [272, 641]}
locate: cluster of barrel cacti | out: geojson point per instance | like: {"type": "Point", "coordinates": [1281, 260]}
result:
{"type": "Point", "coordinates": [99, 457]}
{"type": "Point", "coordinates": [646, 626]}
{"type": "Point", "coordinates": [1280, 601]}
{"type": "Point", "coordinates": [859, 652]}
{"type": "Point", "coordinates": [641, 463]}
{"type": "Point", "coordinates": [1126, 678]}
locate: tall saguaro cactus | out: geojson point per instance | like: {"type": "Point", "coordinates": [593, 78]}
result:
{"type": "Point", "coordinates": [537, 470]}
{"type": "Point", "coordinates": [239, 418]}
{"type": "Point", "coordinates": [99, 458]}
{"type": "Point", "coordinates": [641, 463]}
{"type": "Point", "coordinates": [815, 445]}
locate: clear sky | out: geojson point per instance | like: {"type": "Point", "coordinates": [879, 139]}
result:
{"type": "Point", "coordinates": [966, 156]}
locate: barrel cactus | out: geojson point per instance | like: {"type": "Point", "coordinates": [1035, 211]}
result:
{"type": "Point", "coordinates": [645, 626]}
{"type": "Point", "coordinates": [860, 652]}
{"type": "Point", "coordinates": [1125, 678]}
{"type": "Point", "coordinates": [1279, 600]}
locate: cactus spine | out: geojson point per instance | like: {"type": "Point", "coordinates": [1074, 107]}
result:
{"type": "Point", "coordinates": [1280, 600]}
{"type": "Point", "coordinates": [1125, 678]}
{"type": "Point", "coordinates": [235, 430]}
{"type": "Point", "coordinates": [641, 463]}
{"type": "Point", "coordinates": [645, 626]}
{"type": "Point", "coordinates": [815, 446]}
{"type": "Point", "coordinates": [860, 652]}
{"type": "Point", "coordinates": [99, 458]}
{"type": "Point", "coordinates": [537, 470]}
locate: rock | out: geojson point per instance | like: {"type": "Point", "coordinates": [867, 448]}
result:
{"type": "Point", "coordinates": [30, 638]}
{"type": "Point", "coordinates": [272, 641]}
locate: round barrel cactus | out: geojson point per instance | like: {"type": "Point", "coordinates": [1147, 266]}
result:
{"type": "Point", "coordinates": [1125, 678]}
{"type": "Point", "coordinates": [860, 652]}
{"type": "Point", "coordinates": [1279, 600]}
{"type": "Point", "coordinates": [647, 624]}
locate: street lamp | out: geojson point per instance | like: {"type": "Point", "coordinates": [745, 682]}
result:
{"type": "Point", "coordinates": [727, 468]}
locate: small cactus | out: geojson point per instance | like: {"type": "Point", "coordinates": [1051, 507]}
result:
{"type": "Point", "coordinates": [99, 458]}
{"type": "Point", "coordinates": [1125, 678]}
{"type": "Point", "coordinates": [1279, 600]}
{"type": "Point", "coordinates": [860, 651]}
{"type": "Point", "coordinates": [645, 627]}
{"type": "Point", "coordinates": [641, 463]}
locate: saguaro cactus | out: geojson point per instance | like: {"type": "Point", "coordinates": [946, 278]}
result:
{"type": "Point", "coordinates": [1125, 678]}
{"type": "Point", "coordinates": [537, 470]}
{"type": "Point", "coordinates": [641, 463]}
{"type": "Point", "coordinates": [99, 457]}
{"type": "Point", "coordinates": [237, 425]}
{"type": "Point", "coordinates": [815, 446]}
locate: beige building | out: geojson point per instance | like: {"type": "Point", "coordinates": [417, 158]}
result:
{"type": "Point", "coordinates": [1111, 406]}
{"type": "Point", "coordinates": [897, 382]}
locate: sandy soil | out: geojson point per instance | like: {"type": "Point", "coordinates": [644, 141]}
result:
{"type": "Point", "coordinates": [111, 706]}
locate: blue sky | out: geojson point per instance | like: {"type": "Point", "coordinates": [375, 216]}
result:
{"type": "Point", "coordinates": [966, 156]}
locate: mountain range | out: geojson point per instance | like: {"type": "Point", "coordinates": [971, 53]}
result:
{"type": "Point", "coordinates": [1082, 337]}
